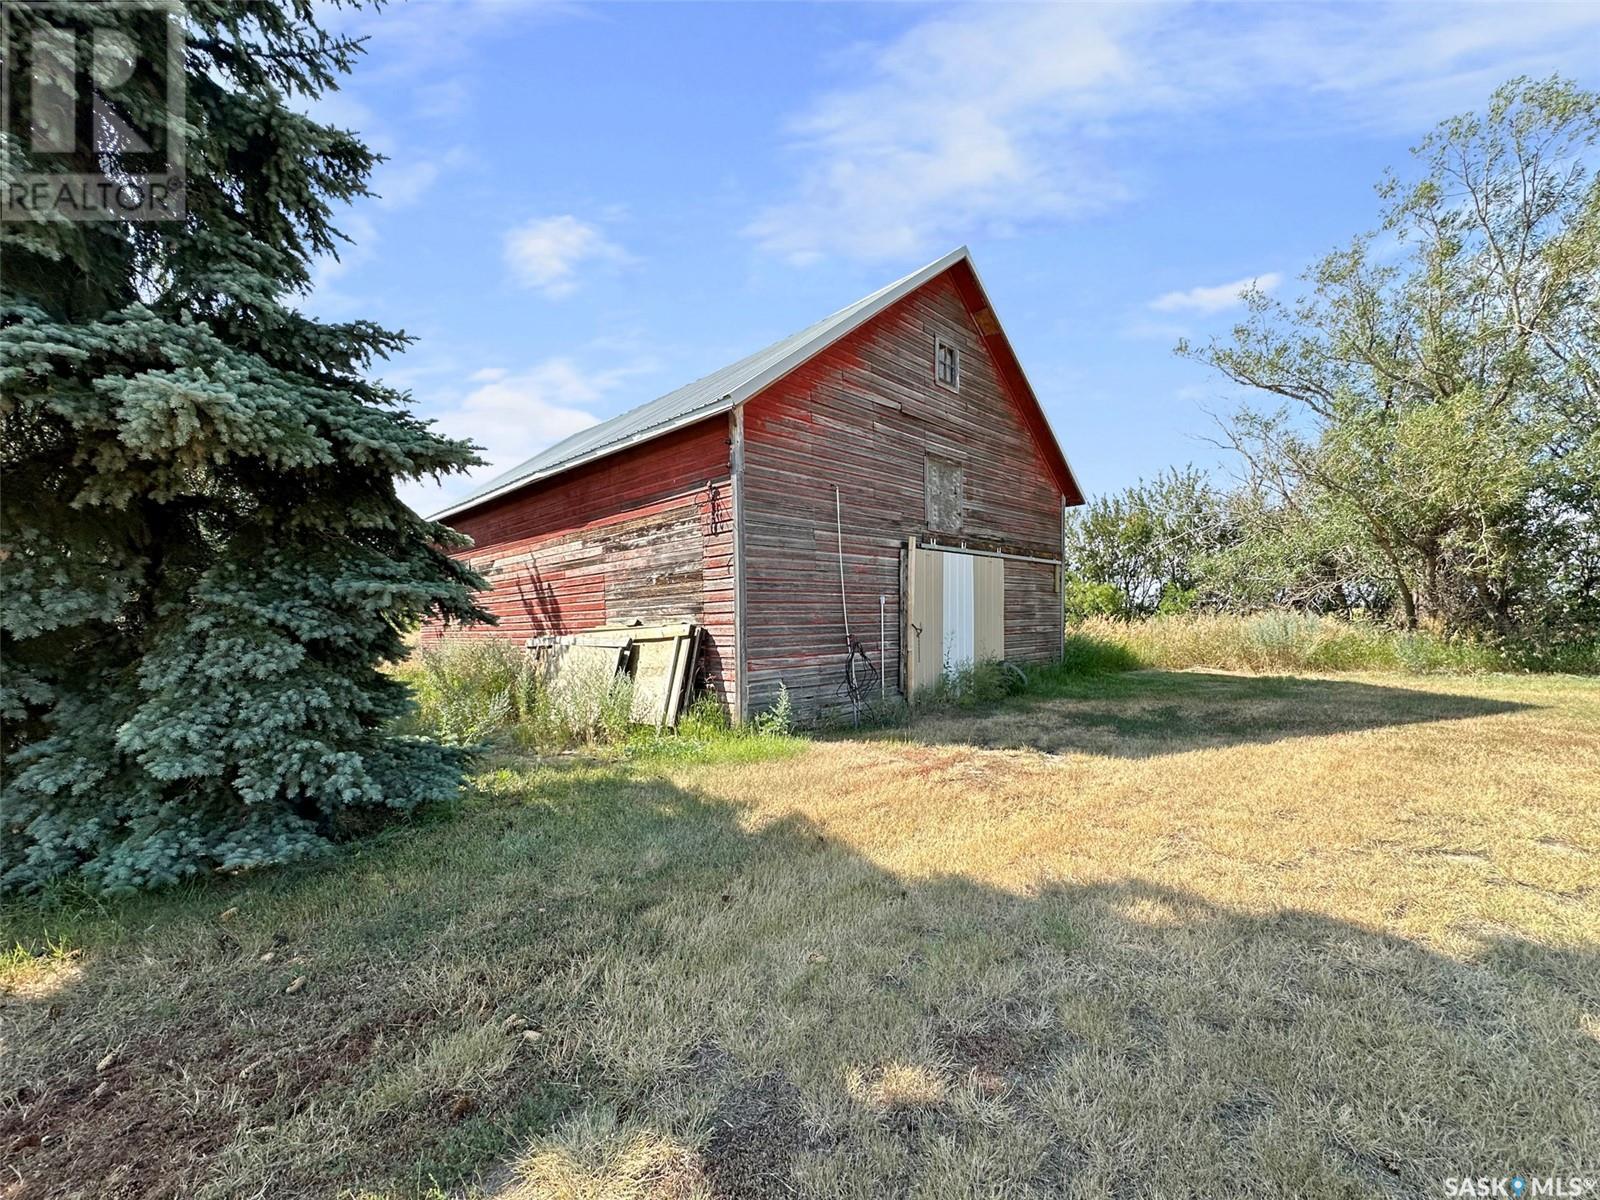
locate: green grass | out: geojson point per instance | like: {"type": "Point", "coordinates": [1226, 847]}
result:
{"type": "Point", "coordinates": [1161, 932]}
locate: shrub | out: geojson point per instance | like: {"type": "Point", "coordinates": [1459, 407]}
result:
{"type": "Point", "coordinates": [778, 720]}
{"type": "Point", "coordinates": [706, 718]}
{"type": "Point", "coordinates": [1094, 654]}
{"type": "Point", "coordinates": [705, 734]}
{"type": "Point", "coordinates": [981, 683]}
{"type": "Point", "coordinates": [1578, 657]}
{"type": "Point", "coordinates": [468, 692]}
{"type": "Point", "coordinates": [613, 714]}
{"type": "Point", "coordinates": [488, 691]}
{"type": "Point", "coordinates": [1087, 598]}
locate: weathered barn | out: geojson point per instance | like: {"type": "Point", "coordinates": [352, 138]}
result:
{"type": "Point", "coordinates": [892, 459]}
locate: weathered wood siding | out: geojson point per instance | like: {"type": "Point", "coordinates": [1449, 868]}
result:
{"type": "Point", "coordinates": [645, 533]}
{"type": "Point", "coordinates": [864, 415]}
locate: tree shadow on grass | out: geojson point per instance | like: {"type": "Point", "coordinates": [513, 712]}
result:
{"type": "Point", "coordinates": [739, 1009]}
{"type": "Point", "coordinates": [1143, 714]}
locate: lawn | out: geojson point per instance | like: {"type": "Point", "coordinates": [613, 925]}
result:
{"type": "Point", "coordinates": [1159, 933]}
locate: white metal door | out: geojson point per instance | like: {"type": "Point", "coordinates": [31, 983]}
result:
{"type": "Point", "coordinates": [955, 613]}
{"type": "Point", "coordinates": [958, 610]}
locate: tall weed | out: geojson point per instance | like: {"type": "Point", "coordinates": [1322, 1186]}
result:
{"type": "Point", "coordinates": [468, 692]}
{"type": "Point", "coordinates": [978, 684]}
{"type": "Point", "coordinates": [491, 692]}
{"type": "Point", "coordinates": [1291, 641]}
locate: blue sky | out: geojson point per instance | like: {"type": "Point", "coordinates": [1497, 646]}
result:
{"type": "Point", "coordinates": [590, 205]}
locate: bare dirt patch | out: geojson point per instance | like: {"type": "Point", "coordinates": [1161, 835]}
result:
{"type": "Point", "coordinates": [120, 1127]}
{"type": "Point", "coordinates": [755, 1133]}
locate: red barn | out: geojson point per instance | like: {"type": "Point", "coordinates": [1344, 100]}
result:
{"type": "Point", "coordinates": [891, 460]}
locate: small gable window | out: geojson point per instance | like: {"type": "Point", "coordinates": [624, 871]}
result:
{"type": "Point", "coordinates": [947, 364]}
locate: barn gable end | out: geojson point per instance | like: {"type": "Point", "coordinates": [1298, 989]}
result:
{"type": "Point", "coordinates": [868, 416]}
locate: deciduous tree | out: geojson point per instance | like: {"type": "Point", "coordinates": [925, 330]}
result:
{"type": "Point", "coordinates": [1439, 387]}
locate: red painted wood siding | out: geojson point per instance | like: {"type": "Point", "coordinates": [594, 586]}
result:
{"type": "Point", "coordinates": [863, 415]}
{"type": "Point", "coordinates": [644, 533]}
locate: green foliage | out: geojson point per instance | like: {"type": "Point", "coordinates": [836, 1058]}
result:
{"type": "Point", "coordinates": [981, 683]}
{"type": "Point", "coordinates": [1435, 459]}
{"type": "Point", "coordinates": [206, 563]}
{"type": "Point", "coordinates": [1087, 598]}
{"type": "Point", "coordinates": [1180, 543]}
{"type": "Point", "coordinates": [705, 718]}
{"type": "Point", "coordinates": [1438, 419]}
{"type": "Point", "coordinates": [1291, 641]}
{"type": "Point", "coordinates": [469, 692]}
{"type": "Point", "coordinates": [778, 720]}
{"type": "Point", "coordinates": [487, 693]}
{"type": "Point", "coordinates": [613, 710]}
{"type": "Point", "coordinates": [1130, 552]}
{"type": "Point", "coordinates": [1176, 599]}
{"type": "Point", "coordinates": [1295, 552]}
{"type": "Point", "coordinates": [1089, 652]}
{"type": "Point", "coordinates": [705, 735]}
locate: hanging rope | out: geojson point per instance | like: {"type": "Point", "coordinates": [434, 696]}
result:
{"type": "Point", "coordinates": [860, 675]}
{"type": "Point", "coordinates": [838, 533]}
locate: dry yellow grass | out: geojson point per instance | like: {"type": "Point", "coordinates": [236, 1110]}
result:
{"type": "Point", "coordinates": [1163, 933]}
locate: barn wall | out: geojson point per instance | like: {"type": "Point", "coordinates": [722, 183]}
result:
{"type": "Point", "coordinates": [1033, 612]}
{"type": "Point", "coordinates": [863, 415]}
{"type": "Point", "coordinates": [644, 534]}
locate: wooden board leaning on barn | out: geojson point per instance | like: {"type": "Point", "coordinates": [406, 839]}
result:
{"type": "Point", "coordinates": [661, 660]}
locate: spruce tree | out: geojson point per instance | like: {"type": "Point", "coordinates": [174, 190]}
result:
{"type": "Point", "coordinates": [205, 562]}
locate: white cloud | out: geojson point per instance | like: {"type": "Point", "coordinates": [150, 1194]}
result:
{"type": "Point", "coordinates": [545, 253]}
{"type": "Point", "coordinates": [946, 133]}
{"type": "Point", "coordinates": [1216, 298]}
{"type": "Point", "coordinates": [398, 185]}
{"type": "Point", "coordinates": [514, 414]}
{"type": "Point", "coordinates": [993, 117]}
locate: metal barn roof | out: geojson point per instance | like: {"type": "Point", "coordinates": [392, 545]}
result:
{"type": "Point", "coordinates": [715, 393]}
